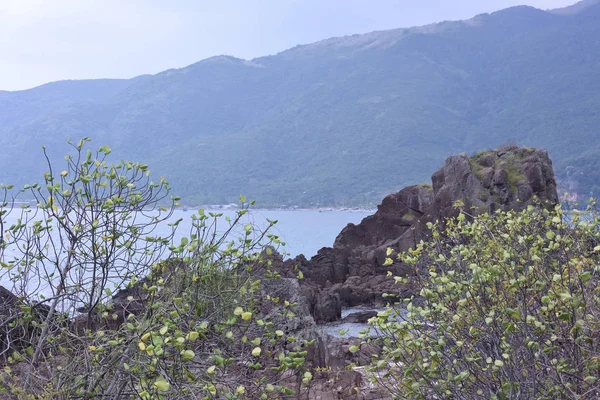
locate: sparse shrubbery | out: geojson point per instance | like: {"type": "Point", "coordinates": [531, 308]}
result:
{"type": "Point", "coordinates": [156, 319]}
{"type": "Point", "coordinates": [509, 309]}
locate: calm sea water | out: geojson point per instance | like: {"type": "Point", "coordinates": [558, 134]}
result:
{"type": "Point", "coordinates": [303, 231]}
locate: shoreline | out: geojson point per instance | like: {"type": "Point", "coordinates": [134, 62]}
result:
{"type": "Point", "coordinates": [231, 207]}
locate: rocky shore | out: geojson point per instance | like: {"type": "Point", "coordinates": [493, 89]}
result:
{"type": "Point", "coordinates": [354, 272]}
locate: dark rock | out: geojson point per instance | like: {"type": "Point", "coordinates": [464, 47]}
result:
{"type": "Point", "coordinates": [345, 376]}
{"type": "Point", "coordinates": [368, 290]}
{"type": "Point", "coordinates": [459, 183]}
{"type": "Point", "coordinates": [286, 289]}
{"type": "Point", "coordinates": [327, 307]}
{"type": "Point", "coordinates": [487, 177]}
{"type": "Point", "coordinates": [487, 160]}
{"type": "Point", "coordinates": [7, 299]}
{"type": "Point", "coordinates": [328, 265]}
{"type": "Point", "coordinates": [395, 215]}
{"type": "Point", "coordinates": [131, 300]}
{"type": "Point", "coordinates": [20, 322]}
{"type": "Point", "coordinates": [361, 317]}
{"type": "Point", "coordinates": [353, 273]}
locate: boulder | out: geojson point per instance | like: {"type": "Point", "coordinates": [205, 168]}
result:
{"type": "Point", "coordinates": [327, 306]}
{"type": "Point", "coordinates": [361, 317]}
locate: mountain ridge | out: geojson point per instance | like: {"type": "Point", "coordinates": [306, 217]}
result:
{"type": "Point", "coordinates": [575, 8]}
{"type": "Point", "coordinates": [325, 123]}
{"type": "Point", "coordinates": [427, 28]}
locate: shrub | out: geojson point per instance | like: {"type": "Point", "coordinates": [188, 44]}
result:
{"type": "Point", "coordinates": [107, 309]}
{"type": "Point", "coordinates": [509, 309]}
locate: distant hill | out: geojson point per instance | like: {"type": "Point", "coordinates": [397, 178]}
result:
{"type": "Point", "coordinates": [342, 121]}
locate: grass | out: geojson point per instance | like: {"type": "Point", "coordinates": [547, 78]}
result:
{"type": "Point", "coordinates": [409, 216]}
{"type": "Point", "coordinates": [508, 163]}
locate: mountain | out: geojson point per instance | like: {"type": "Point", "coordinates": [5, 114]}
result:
{"type": "Point", "coordinates": [342, 121]}
{"type": "Point", "coordinates": [575, 8]}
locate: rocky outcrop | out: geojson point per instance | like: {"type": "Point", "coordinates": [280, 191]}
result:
{"type": "Point", "coordinates": [342, 372]}
{"type": "Point", "coordinates": [360, 317]}
{"type": "Point", "coordinates": [352, 272]}
{"type": "Point", "coordinates": [130, 300]}
{"type": "Point", "coordinates": [9, 312]}
{"type": "Point", "coordinates": [509, 179]}
{"type": "Point", "coordinates": [396, 214]}
{"type": "Point", "coordinates": [19, 323]}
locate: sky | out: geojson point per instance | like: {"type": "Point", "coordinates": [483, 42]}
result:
{"type": "Point", "coordinates": [48, 40]}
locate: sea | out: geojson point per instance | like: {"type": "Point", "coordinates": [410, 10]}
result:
{"type": "Point", "coordinates": [302, 231]}
{"type": "Point", "coordinates": [299, 231]}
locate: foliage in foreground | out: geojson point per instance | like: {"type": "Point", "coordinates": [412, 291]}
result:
{"type": "Point", "coordinates": [509, 309]}
{"type": "Point", "coordinates": [186, 320]}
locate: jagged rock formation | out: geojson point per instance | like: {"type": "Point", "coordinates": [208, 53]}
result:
{"type": "Point", "coordinates": [352, 273]}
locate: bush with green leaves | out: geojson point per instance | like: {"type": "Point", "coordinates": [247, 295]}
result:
{"type": "Point", "coordinates": [509, 309]}
{"type": "Point", "coordinates": [106, 308]}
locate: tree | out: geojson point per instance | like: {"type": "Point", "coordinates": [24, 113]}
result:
{"type": "Point", "coordinates": [85, 234]}
{"type": "Point", "coordinates": [509, 309]}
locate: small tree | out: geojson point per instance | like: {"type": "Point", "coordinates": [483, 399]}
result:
{"type": "Point", "coordinates": [83, 233]}
{"type": "Point", "coordinates": [509, 309]}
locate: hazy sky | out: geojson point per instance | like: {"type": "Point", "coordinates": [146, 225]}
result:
{"type": "Point", "coordinates": [48, 40]}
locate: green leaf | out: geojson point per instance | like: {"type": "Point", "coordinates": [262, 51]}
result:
{"type": "Point", "coordinates": [247, 316]}
{"type": "Point", "coordinates": [187, 355]}
{"type": "Point", "coordinates": [564, 317]}
{"type": "Point", "coordinates": [162, 385]}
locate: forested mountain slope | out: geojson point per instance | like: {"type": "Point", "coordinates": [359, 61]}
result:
{"type": "Point", "coordinates": [342, 121]}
